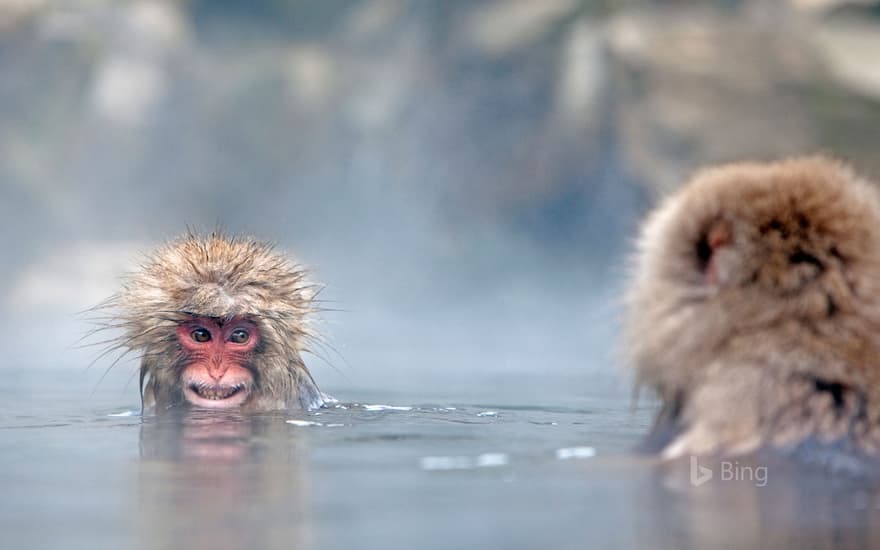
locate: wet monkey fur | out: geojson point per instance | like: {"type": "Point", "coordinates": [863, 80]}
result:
{"type": "Point", "coordinates": [754, 313]}
{"type": "Point", "coordinates": [220, 322]}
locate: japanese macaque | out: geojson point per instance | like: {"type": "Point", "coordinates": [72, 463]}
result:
{"type": "Point", "coordinates": [221, 323]}
{"type": "Point", "coordinates": [754, 313]}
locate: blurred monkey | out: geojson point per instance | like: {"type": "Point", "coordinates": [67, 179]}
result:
{"type": "Point", "coordinates": [754, 313]}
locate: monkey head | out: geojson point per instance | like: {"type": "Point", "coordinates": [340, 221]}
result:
{"type": "Point", "coordinates": [220, 322]}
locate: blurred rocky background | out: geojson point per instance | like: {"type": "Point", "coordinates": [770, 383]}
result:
{"type": "Point", "coordinates": [465, 175]}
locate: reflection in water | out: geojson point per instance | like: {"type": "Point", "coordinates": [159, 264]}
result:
{"type": "Point", "coordinates": [726, 504]}
{"type": "Point", "coordinates": [523, 478]}
{"type": "Point", "coordinates": [222, 480]}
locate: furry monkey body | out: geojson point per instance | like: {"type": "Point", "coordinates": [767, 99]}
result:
{"type": "Point", "coordinates": [220, 322]}
{"type": "Point", "coordinates": [754, 312]}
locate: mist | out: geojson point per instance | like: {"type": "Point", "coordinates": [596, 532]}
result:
{"type": "Point", "coordinates": [465, 178]}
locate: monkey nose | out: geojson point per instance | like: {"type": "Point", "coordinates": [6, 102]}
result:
{"type": "Point", "coordinates": [216, 369]}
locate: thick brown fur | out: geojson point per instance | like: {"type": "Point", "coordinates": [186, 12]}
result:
{"type": "Point", "coordinates": [754, 312]}
{"type": "Point", "coordinates": [219, 277]}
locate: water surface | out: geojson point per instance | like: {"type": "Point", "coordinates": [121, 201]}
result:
{"type": "Point", "coordinates": [83, 470]}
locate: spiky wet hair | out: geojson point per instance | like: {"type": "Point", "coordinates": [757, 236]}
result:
{"type": "Point", "coordinates": [220, 277]}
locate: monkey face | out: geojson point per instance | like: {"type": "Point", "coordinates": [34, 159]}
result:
{"type": "Point", "coordinates": [221, 323]}
{"type": "Point", "coordinates": [216, 355]}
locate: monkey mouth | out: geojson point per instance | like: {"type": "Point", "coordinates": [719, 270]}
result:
{"type": "Point", "coordinates": [216, 395]}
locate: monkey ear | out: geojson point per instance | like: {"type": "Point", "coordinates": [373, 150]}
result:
{"type": "Point", "coordinates": [717, 236]}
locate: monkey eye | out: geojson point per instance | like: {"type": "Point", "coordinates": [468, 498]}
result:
{"type": "Point", "coordinates": [239, 336]}
{"type": "Point", "coordinates": [200, 335]}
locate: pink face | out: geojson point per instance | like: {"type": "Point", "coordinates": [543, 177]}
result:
{"type": "Point", "coordinates": [215, 375]}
